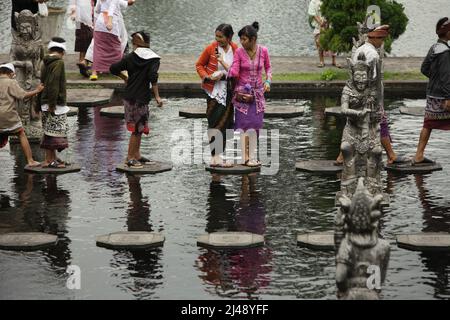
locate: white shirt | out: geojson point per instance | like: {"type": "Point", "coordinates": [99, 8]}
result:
{"type": "Point", "coordinates": [83, 12]}
{"type": "Point", "coordinates": [314, 10]}
{"type": "Point", "coordinates": [371, 54]}
{"type": "Point", "coordinates": [112, 7]}
{"type": "Point", "coordinates": [220, 87]}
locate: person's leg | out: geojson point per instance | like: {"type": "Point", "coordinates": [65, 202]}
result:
{"type": "Point", "coordinates": [27, 149]}
{"type": "Point", "coordinates": [423, 141]}
{"type": "Point", "coordinates": [386, 143]}
{"type": "Point", "coordinates": [319, 49]}
{"type": "Point", "coordinates": [133, 147]}
{"type": "Point", "coordinates": [244, 147]}
{"type": "Point", "coordinates": [137, 152]}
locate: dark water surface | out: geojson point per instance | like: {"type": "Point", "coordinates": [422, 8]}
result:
{"type": "Point", "coordinates": [186, 202]}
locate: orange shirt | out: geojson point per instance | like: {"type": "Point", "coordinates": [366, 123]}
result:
{"type": "Point", "coordinates": [207, 64]}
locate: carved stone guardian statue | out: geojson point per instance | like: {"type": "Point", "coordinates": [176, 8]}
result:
{"type": "Point", "coordinates": [362, 258]}
{"type": "Point", "coordinates": [26, 54]}
{"type": "Point", "coordinates": [360, 144]}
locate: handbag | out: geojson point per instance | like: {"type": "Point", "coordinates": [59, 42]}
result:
{"type": "Point", "coordinates": [248, 97]}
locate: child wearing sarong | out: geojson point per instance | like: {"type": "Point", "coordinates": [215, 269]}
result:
{"type": "Point", "coordinates": [53, 104]}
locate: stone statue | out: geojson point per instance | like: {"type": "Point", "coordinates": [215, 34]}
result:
{"type": "Point", "coordinates": [362, 258]}
{"type": "Point", "coordinates": [26, 54]}
{"type": "Point", "coordinates": [360, 144]}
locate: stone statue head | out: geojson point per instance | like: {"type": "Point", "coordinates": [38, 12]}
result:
{"type": "Point", "coordinates": [360, 72]}
{"type": "Point", "coordinates": [27, 23]}
{"type": "Point", "coordinates": [363, 211]}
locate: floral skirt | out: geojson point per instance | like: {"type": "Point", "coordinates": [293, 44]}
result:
{"type": "Point", "coordinates": [136, 117]}
{"type": "Point", "coordinates": [436, 116]}
{"type": "Point", "coordinates": [251, 120]}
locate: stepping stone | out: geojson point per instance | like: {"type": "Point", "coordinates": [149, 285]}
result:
{"type": "Point", "coordinates": [26, 241]}
{"type": "Point", "coordinates": [149, 168]}
{"type": "Point", "coordinates": [424, 241]}
{"type": "Point", "coordinates": [318, 166]}
{"type": "Point", "coordinates": [236, 169]}
{"type": "Point", "coordinates": [271, 112]}
{"type": "Point", "coordinates": [68, 169]}
{"type": "Point", "coordinates": [384, 203]}
{"type": "Point", "coordinates": [130, 240]}
{"type": "Point", "coordinates": [413, 111]}
{"type": "Point", "coordinates": [407, 168]}
{"type": "Point", "coordinates": [334, 111]}
{"type": "Point", "coordinates": [230, 240]}
{"type": "Point", "coordinates": [283, 112]}
{"type": "Point", "coordinates": [72, 112]}
{"type": "Point", "coordinates": [89, 97]}
{"type": "Point", "coordinates": [317, 240]}
{"type": "Point", "coordinates": [193, 112]}
{"type": "Point", "coordinates": [113, 112]}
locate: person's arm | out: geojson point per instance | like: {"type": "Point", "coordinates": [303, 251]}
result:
{"type": "Point", "coordinates": [445, 69]}
{"type": "Point", "coordinates": [54, 80]}
{"type": "Point", "coordinates": [268, 70]}
{"type": "Point", "coordinates": [426, 65]}
{"type": "Point", "coordinates": [18, 93]}
{"type": "Point", "coordinates": [35, 92]}
{"type": "Point", "coordinates": [154, 81]}
{"type": "Point", "coordinates": [117, 68]}
{"type": "Point", "coordinates": [202, 62]}
{"type": "Point", "coordinates": [235, 66]}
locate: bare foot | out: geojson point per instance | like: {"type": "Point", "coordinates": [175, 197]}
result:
{"type": "Point", "coordinates": [33, 164]}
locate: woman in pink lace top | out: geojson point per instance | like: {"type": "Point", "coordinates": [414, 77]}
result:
{"type": "Point", "coordinates": [247, 68]}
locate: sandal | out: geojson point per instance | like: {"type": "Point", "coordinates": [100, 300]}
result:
{"type": "Point", "coordinates": [134, 164]}
{"type": "Point", "coordinates": [337, 65]}
{"type": "Point", "coordinates": [400, 159]}
{"type": "Point", "coordinates": [34, 165]}
{"type": "Point", "coordinates": [63, 162]}
{"type": "Point", "coordinates": [54, 165]}
{"type": "Point", "coordinates": [145, 160]}
{"type": "Point", "coordinates": [253, 163]}
{"type": "Point", "coordinates": [425, 161]}
{"type": "Point", "coordinates": [83, 69]}
{"type": "Point", "coordinates": [93, 77]}
{"type": "Point", "coordinates": [321, 65]}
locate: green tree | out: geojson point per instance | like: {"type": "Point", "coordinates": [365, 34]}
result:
{"type": "Point", "coordinates": [344, 14]}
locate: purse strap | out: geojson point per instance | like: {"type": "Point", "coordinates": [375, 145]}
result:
{"type": "Point", "coordinates": [257, 69]}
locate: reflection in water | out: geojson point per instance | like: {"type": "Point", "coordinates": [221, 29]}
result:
{"type": "Point", "coordinates": [144, 267]}
{"type": "Point", "coordinates": [41, 206]}
{"type": "Point", "coordinates": [436, 219]}
{"type": "Point", "coordinates": [238, 271]}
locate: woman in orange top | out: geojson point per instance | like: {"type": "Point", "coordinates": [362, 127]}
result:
{"type": "Point", "coordinates": [212, 67]}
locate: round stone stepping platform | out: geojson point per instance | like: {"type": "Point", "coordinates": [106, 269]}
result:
{"type": "Point", "coordinates": [283, 112]}
{"type": "Point", "coordinates": [318, 166]}
{"type": "Point", "coordinates": [271, 112]}
{"type": "Point", "coordinates": [26, 241]}
{"type": "Point", "coordinates": [72, 112]}
{"type": "Point", "coordinates": [113, 112]}
{"type": "Point", "coordinates": [89, 97]}
{"type": "Point", "coordinates": [317, 240]}
{"type": "Point", "coordinates": [68, 169]}
{"type": "Point", "coordinates": [384, 203]}
{"type": "Point", "coordinates": [407, 168]}
{"type": "Point", "coordinates": [149, 168]}
{"type": "Point", "coordinates": [130, 240]}
{"type": "Point", "coordinates": [413, 111]}
{"type": "Point", "coordinates": [230, 240]}
{"type": "Point", "coordinates": [438, 241]}
{"type": "Point", "coordinates": [236, 169]}
{"type": "Point", "coordinates": [334, 111]}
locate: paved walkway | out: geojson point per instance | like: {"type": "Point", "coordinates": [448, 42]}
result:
{"type": "Point", "coordinates": [186, 64]}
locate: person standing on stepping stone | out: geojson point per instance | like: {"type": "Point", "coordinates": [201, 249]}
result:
{"type": "Point", "coordinates": [212, 67]}
{"type": "Point", "coordinates": [436, 67]}
{"type": "Point", "coordinates": [248, 99]}
{"type": "Point", "coordinates": [10, 122]}
{"type": "Point", "coordinates": [53, 104]}
{"type": "Point", "coordinates": [142, 66]}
